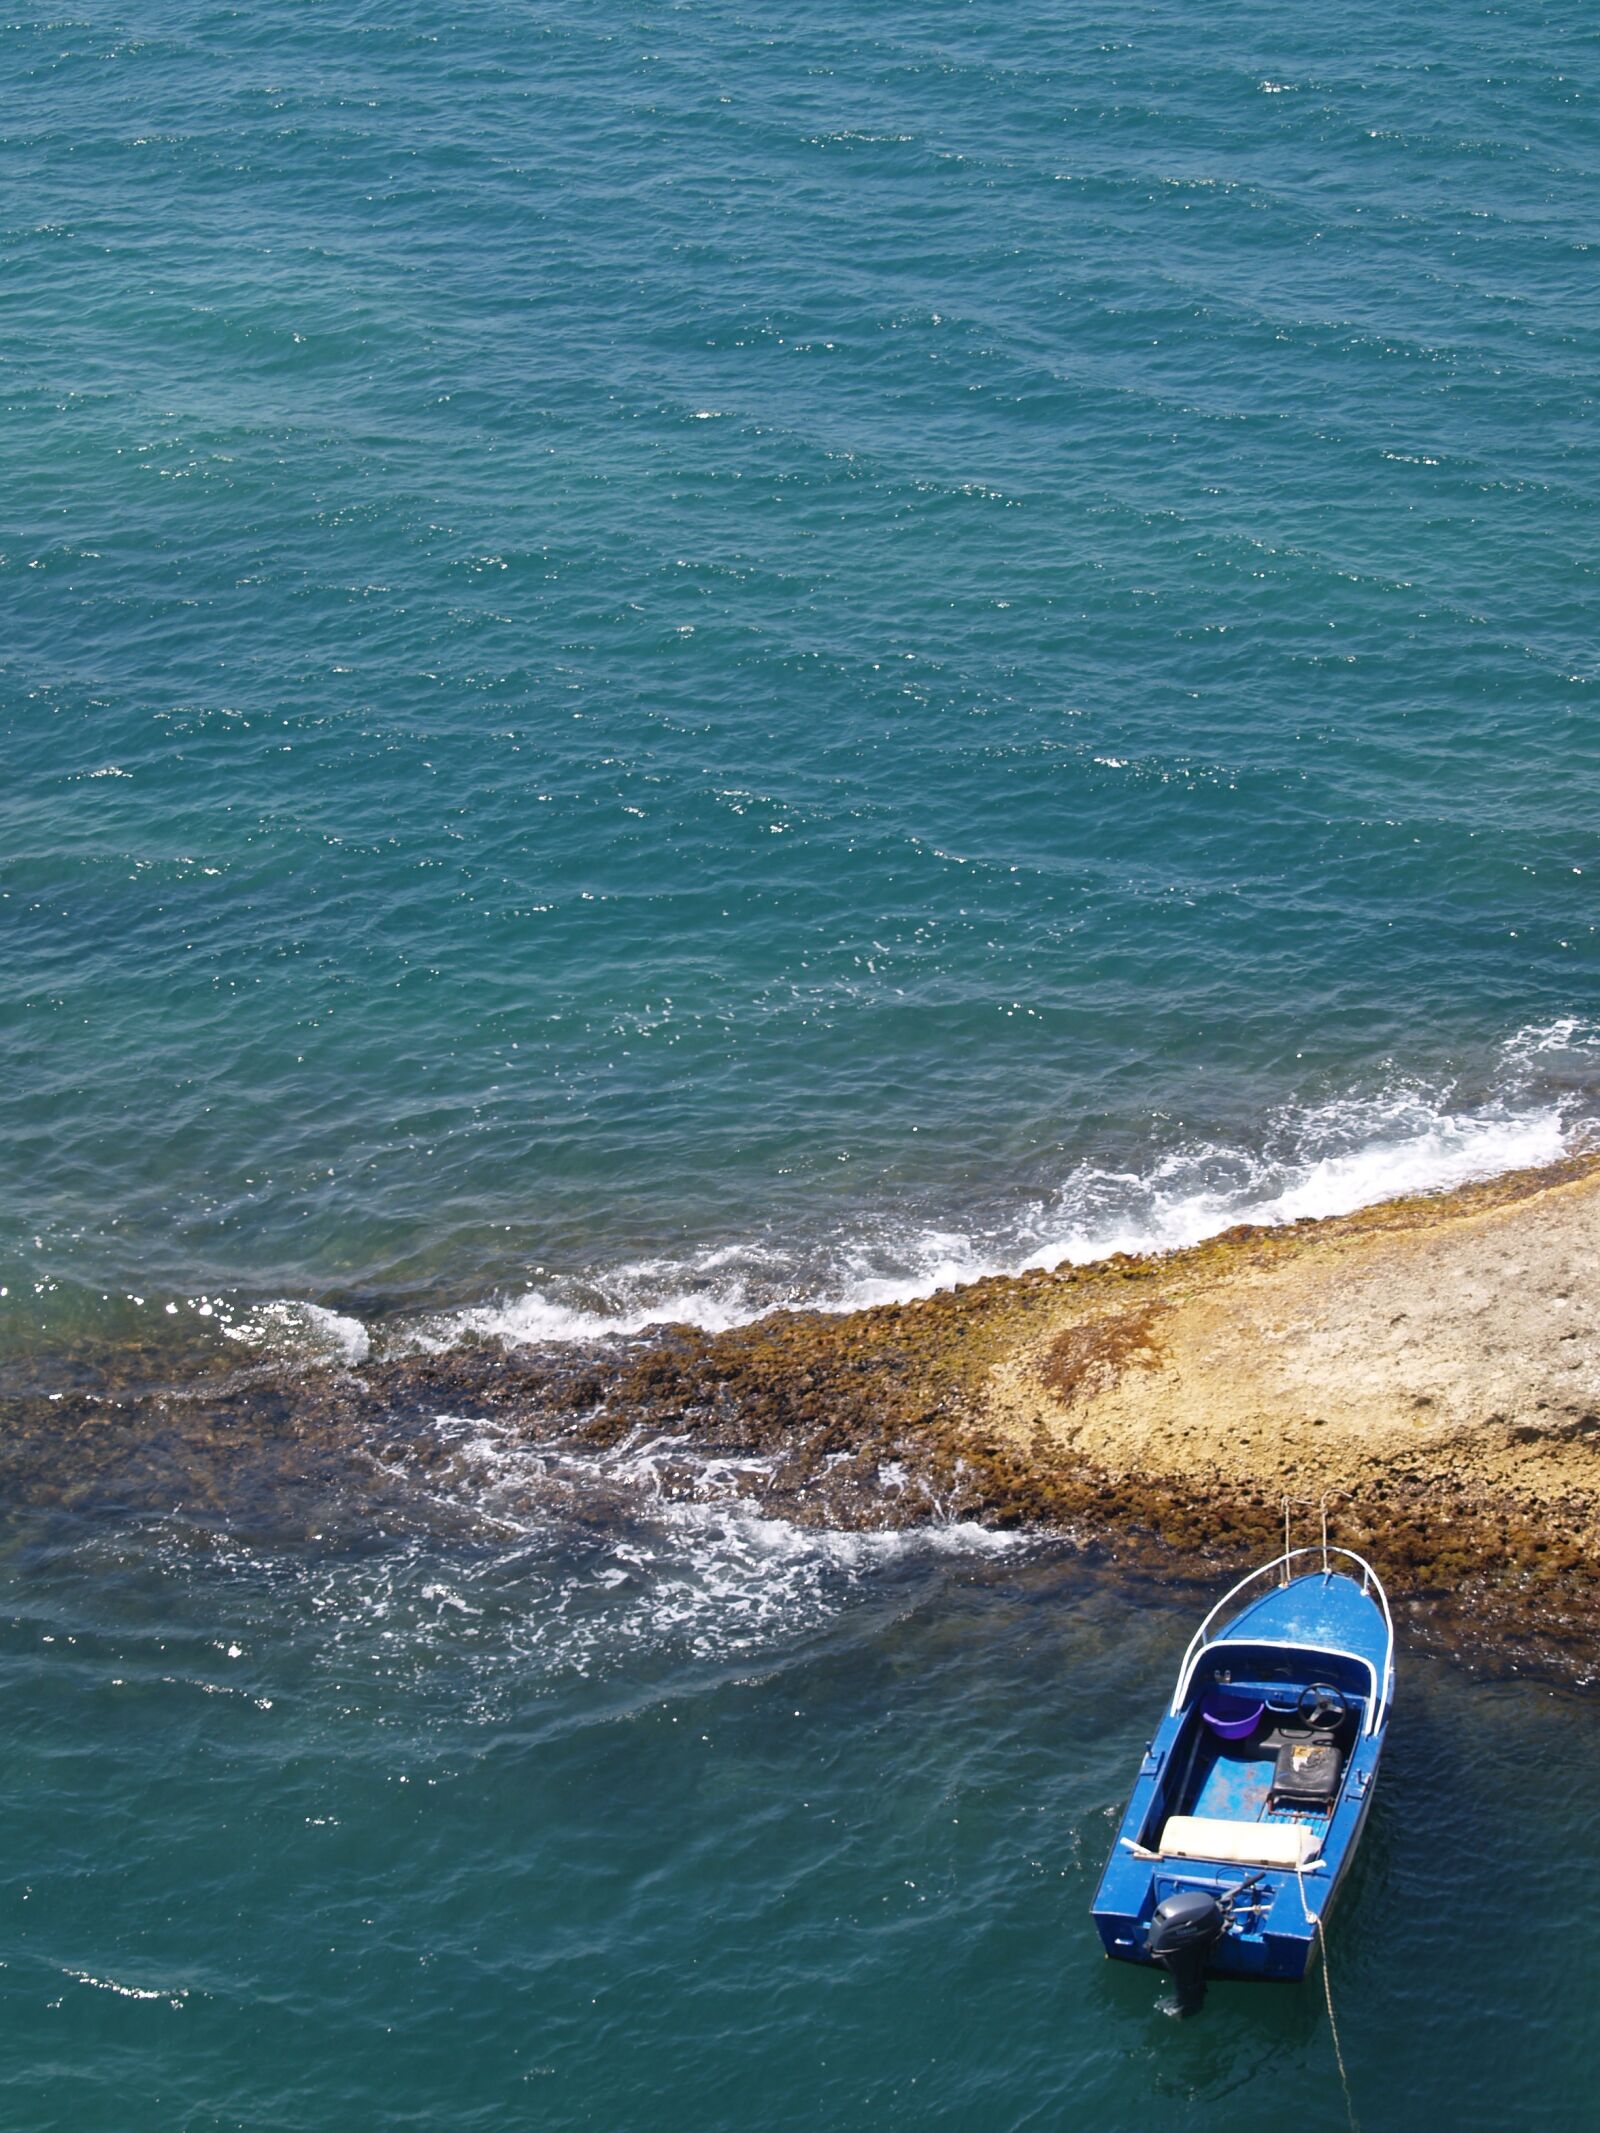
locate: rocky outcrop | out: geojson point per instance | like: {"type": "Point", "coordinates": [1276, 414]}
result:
{"type": "Point", "coordinates": [1428, 1368]}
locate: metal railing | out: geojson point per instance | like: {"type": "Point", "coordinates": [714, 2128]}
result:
{"type": "Point", "coordinates": [1370, 1582]}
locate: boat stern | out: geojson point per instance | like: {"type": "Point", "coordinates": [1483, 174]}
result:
{"type": "Point", "coordinates": [1210, 1919]}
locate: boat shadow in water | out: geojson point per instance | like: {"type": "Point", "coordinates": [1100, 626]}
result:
{"type": "Point", "coordinates": [1251, 2037]}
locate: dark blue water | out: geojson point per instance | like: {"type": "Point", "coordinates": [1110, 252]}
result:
{"type": "Point", "coordinates": [448, 1839]}
{"type": "Point", "coordinates": [655, 660]}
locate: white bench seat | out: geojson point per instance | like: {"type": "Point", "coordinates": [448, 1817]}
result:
{"type": "Point", "coordinates": [1287, 1844]}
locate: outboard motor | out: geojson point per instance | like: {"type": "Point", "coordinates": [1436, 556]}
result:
{"type": "Point", "coordinates": [1184, 1928]}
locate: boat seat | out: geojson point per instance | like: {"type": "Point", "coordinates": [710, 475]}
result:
{"type": "Point", "coordinates": [1288, 1844]}
{"type": "Point", "coordinates": [1306, 1772]}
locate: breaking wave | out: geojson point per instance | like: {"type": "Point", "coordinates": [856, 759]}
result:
{"type": "Point", "coordinates": [1308, 1161]}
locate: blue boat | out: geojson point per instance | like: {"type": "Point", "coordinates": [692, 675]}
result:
{"type": "Point", "coordinates": [1254, 1792]}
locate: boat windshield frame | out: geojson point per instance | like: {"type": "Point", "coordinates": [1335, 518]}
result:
{"type": "Point", "coordinates": [1382, 1680]}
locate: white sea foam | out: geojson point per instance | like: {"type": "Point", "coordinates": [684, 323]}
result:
{"type": "Point", "coordinates": [687, 1562]}
{"type": "Point", "coordinates": [1308, 1160]}
{"type": "Point", "coordinates": [173, 1995]}
{"type": "Point", "coordinates": [697, 1581]}
{"type": "Point", "coordinates": [306, 1329]}
{"type": "Point", "coordinates": [1349, 1155]}
{"type": "Point", "coordinates": [583, 1561]}
{"type": "Point", "coordinates": [536, 1317]}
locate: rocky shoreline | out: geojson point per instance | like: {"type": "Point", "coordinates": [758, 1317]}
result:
{"type": "Point", "coordinates": [1428, 1366]}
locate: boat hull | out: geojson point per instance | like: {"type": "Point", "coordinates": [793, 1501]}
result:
{"type": "Point", "coordinates": [1190, 1783]}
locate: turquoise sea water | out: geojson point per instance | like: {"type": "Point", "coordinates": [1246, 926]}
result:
{"type": "Point", "coordinates": [659, 659]}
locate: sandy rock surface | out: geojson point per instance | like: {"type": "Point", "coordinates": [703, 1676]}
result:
{"type": "Point", "coordinates": [1467, 1341]}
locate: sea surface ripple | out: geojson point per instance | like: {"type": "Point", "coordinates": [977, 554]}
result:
{"type": "Point", "coordinates": [633, 633]}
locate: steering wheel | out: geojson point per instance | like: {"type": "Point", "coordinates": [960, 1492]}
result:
{"type": "Point", "coordinates": [1321, 1706]}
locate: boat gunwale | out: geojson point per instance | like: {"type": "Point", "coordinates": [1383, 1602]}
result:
{"type": "Point", "coordinates": [1382, 1680]}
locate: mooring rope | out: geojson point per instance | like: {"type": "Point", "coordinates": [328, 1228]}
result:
{"type": "Point", "coordinates": [1321, 1939]}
